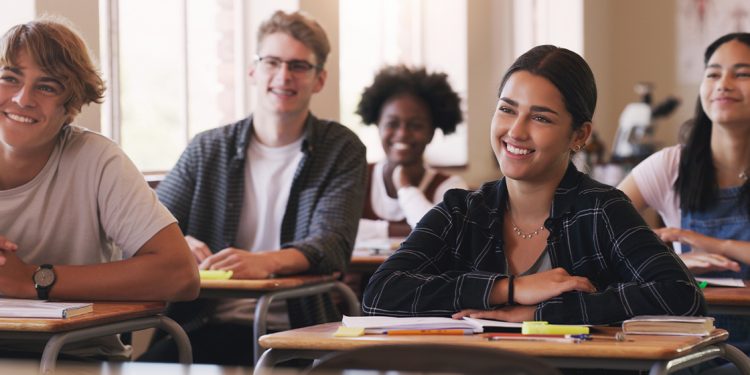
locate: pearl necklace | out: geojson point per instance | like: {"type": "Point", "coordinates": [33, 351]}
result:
{"type": "Point", "coordinates": [526, 236]}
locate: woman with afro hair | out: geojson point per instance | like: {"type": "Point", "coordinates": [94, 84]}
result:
{"type": "Point", "coordinates": [407, 105]}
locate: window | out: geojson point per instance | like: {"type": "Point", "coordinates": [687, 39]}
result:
{"type": "Point", "coordinates": [413, 32]}
{"type": "Point", "coordinates": [558, 22]}
{"type": "Point", "coordinates": [176, 71]}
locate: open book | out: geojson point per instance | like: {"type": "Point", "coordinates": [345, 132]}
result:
{"type": "Point", "coordinates": [381, 324]}
{"type": "Point", "coordinates": [31, 308]}
{"type": "Point", "coordinates": [669, 325]}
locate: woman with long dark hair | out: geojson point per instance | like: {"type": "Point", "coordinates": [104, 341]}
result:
{"type": "Point", "coordinates": [700, 188]}
{"type": "Point", "coordinates": [545, 242]}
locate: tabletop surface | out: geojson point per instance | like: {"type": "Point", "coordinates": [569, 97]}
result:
{"type": "Point", "coordinates": [728, 296]}
{"type": "Point", "coordinates": [104, 312]}
{"type": "Point", "coordinates": [651, 347]}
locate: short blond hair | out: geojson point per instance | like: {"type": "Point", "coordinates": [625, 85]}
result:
{"type": "Point", "coordinates": [60, 52]}
{"type": "Point", "coordinates": [299, 26]}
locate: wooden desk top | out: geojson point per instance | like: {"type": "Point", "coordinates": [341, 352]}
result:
{"type": "Point", "coordinates": [647, 347]}
{"type": "Point", "coordinates": [728, 296]}
{"type": "Point", "coordinates": [266, 285]}
{"type": "Point", "coordinates": [104, 312]}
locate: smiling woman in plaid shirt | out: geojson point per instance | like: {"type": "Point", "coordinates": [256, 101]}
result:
{"type": "Point", "coordinates": [545, 242]}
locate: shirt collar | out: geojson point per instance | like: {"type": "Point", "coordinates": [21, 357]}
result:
{"type": "Point", "coordinates": [246, 129]}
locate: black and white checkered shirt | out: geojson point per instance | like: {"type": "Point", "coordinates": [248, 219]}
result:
{"type": "Point", "coordinates": [205, 190]}
{"type": "Point", "coordinates": [455, 254]}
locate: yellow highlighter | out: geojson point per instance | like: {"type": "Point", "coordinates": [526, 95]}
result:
{"type": "Point", "coordinates": [544, 328]}
{"type": "Point", "coordinates": [215, 275]}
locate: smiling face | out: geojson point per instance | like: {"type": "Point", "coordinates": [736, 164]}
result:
{"type": "Point", "coordinates": [280, 90]}
{"type": "Point", "coordinates": [405, 128]}
{"type": "Point", "coordinates": [725, 89]}
{"type": "Point", "coordinates": [31, 108]}
{"type": "Point", "coordinates": [532, 132]}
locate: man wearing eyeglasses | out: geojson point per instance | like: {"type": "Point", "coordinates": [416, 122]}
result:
{"type": "Point", "coordinates": [277, 193]}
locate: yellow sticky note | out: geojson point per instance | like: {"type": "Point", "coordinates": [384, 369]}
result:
{"type": "Point", "coordinates": [544, 328]}
{"type": "Point", "coordinates": [215, 275]}
{"type": "Point", "coordinates": [349, 331]}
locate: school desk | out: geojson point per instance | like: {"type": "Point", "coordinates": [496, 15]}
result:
{"type": "Point", "coordinates": [726, 300]}
{"type": "Point", "coordinates": [659, 354]}
{"type": "Point", "coordinates": [281, 288]}
{"type": "Point", "coordinates": [108, 318]}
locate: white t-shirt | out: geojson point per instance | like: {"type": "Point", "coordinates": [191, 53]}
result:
{"type": "Point", "coordinates": [269, 172]}
{"type": "Point", "coordinates": [411, 203]}
{"type": "Point", "coordinates": [655, 178]}
{"type": "Point", "coordinates": [88, 205]}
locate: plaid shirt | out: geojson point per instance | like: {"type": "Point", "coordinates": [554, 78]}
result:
{"type": "Point", "coordinates": [455, 254]}
{"type": "Point", "coordinates": [205, 190]}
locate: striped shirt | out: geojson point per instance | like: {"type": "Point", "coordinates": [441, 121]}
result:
{"type": "Point", "coordinates": [204, 191]}
{"type": "Point", "coordinates": [455, 254]}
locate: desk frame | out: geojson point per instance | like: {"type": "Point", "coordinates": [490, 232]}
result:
{"type": "Point", "coordinates": [266, 297]}
{"type": "Point", "coordinates": [56, 340]}
{"type": "Point", "coordinates": [272, 357]}
{"type": "Point", "coordinates": [656, 364]}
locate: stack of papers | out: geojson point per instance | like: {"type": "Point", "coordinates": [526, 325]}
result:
{"type": "Point", "coordinates": [669, 325]}
{"type": "Point", "coordinates": [382, 324]}
{"type": "Point", "coordinates": [716, 281]}
{"type": "Point", "coordinates": [31, 308]}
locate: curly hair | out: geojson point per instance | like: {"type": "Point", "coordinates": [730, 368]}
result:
{"type": "Point", "coordinates": [60, 52]}
{"type": "Point", "coordinates": [432, 88]}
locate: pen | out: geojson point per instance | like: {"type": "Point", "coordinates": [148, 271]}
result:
{"type": "Point", "coordinates": [402, 332]}
{"type": "Point", "coordinates": [542, 338]}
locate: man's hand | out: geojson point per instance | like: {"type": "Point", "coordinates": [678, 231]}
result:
{"type": "Point", "coordinates": [15, 276]}
{"type": "Point", "coordinates": [243, 264]}
{"type": "Point", "coordinates": [508, 313]}
{"type": "Point", "coordinates": [199, 249]}
{"type": "Point", "coordinates": [539, 287]}
{"type": "Point", "coordinates": [699, 262]}
{"type": "Point", "coordinates": [6, 246]}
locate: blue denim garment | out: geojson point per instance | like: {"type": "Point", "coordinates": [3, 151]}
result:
{"type": "Point", "coordinates": [729, 220]}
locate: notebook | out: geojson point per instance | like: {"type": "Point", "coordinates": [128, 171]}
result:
{"type": "Point", "coordinates": [381, 324]}
{"type": "Point", "coordinates": [31, 308]}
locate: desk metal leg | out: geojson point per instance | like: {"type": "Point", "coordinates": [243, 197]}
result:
{"type": "Point", "coordinates": [56, 342]}
{"type": "Point", "coordinates": [736, 356]}
{"type": "Point", "coordinates": [272, 357]}
{"type": "Point", "coordinates": [351, 299]}
{"type": "Point", "coordinates": [264, 302]}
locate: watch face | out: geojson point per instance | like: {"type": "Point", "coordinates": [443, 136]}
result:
{"type": "Point", "coordinates": [44, 277]}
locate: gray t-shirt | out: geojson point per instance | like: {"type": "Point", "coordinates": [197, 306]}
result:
{"type": "Point", "coordinates": [88, 205]}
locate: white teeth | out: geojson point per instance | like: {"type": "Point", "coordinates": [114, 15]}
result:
{"type": "Point", "coordinates": [400, 146]}
{"type": "Point", "coordinates": [516, 150]}
{"type": "Point", "coordinates": [282, 92]}
{"type": "Point", "coordinates": [20, 118]}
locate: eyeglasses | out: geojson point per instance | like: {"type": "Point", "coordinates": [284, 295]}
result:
{"type": "Point", "coordinates": [272, 64]}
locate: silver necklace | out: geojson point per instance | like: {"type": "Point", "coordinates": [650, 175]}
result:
{"type": "Point", "coordinates": [525, 236]}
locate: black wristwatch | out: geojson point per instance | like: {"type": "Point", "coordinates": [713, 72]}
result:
{"type": "Point", "coordinates": [44, 278]}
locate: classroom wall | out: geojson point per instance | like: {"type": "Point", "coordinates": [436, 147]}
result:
{"type": "Point", "coordinates": [625, 41]}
